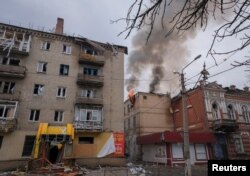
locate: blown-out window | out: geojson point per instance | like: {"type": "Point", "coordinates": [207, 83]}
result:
{"type": "Point", "coordinates": [38, 89]}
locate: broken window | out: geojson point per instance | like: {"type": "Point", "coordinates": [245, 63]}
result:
{"type": "Point", "coordinates": [7, 110]}
{"type": "Point", "coordinates": [90, 71]}
{"type": "Point", "coordinates": [45, 46]}
{"type": "Point", "coordinates": [28, 145]}
{"type": "Point", "coordinates": [66, 49]}
{"type": "Point", "coordinates": [61, 91]}
{"type": "Point", "coordinates": [7, 87]}
{"type": "Point", "coordinates": [38, 89]}
{"type": "Point", "coordinates": [88, 50]}
{"type": "Point", "coordinates": [58, 117]}
{"type": "Point", "coordinates": [64, 69]}
{"type": "Point", "coordinates": [42, 67]}
{"type": "Point", "coordinates": [34, 115]}
{"type": "Point", "coordinates": [86, 140]}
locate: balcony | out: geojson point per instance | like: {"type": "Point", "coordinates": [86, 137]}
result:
{"type": "Point", "coordinates": [88, 125]}
{"type": "Point", "coordinates": [91, 59]}
{"type": "Point", "coordinates": [89, 100]}
{"type": "Point", "coordinates": [89, 80]}
{"type": "Point", "coordinates": [12, 97]}
{"type": "Point", "coordinates": [11, 71]}
{"type": "Point", "coordinates": [227, 125]}
{"type": "Point", "coordinates": [7, 125]}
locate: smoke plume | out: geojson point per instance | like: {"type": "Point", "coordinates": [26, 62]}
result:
{"type": "Point", "coordinates": [162, 55]}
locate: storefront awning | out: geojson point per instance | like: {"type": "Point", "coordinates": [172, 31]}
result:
{"type": "Point", "coordinates": [176, 137]}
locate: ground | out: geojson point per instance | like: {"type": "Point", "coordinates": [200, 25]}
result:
{"type": "Point", "coordinates": [137, 170]}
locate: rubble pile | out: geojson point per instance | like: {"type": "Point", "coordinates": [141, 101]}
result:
{"type": "Point", "coordinates": [137, 169]}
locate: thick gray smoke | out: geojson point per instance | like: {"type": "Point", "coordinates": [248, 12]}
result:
{"type": "Point", "coordinates": [162, 55]}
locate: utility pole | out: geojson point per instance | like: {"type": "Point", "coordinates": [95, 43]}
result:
{"type": "Point", "coordinates": [186, 150]}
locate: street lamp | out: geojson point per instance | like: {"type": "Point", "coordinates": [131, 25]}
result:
{"type": "Point", "coordinates": [185, 121]}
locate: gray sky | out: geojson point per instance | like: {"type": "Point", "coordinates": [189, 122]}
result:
{"type": "Point", "coordinates": [91, 19]}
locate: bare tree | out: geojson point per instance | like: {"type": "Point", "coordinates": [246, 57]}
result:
{"type": "Point", "coordinates": [192, 14]}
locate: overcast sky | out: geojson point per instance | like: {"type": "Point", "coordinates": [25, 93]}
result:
{"type": "Point", "coordinates": [91, 19]}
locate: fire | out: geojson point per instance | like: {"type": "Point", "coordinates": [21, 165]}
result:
{"type": "Point", "coordinates": [131, 96]}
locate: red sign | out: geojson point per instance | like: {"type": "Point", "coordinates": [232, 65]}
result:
{"type": "Point", "coordinates": [119, 144]}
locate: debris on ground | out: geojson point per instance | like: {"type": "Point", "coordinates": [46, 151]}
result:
{"type": "Point", "coordinates": [136, 169]}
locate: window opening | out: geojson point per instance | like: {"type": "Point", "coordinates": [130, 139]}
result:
{"type": "Point", "coordinates": [34, 115]}
{"type": "Point", "coordinates": [38, 89]}
{"type": "Point", "coordinates": [28, 145]}
{"type": "Point", "coordinates": [61, 92]}
{"type": "Point", "coordinates": [58, 117]}
{"type": "Point", "coordinates": [64, 69]}
{"type": "Point", "coordinates": [86, 140]}
{"type": "Point", "coordinates": [42, 67]}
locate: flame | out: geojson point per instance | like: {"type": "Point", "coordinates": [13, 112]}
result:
{"type": "Point", "coordinates": [131, 96]}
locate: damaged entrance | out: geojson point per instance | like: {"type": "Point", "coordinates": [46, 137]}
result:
{"type": "Point", "coordinates": [52, 141]}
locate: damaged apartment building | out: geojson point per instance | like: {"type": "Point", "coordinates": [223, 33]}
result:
{"type": "Point", "coordinates": [52, 92]}
{"type": "Point", "coordinates": [219, 125]}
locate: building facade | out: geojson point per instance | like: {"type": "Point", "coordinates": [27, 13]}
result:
{"type": "Point", "coordinates": [218, 122]}
{"type": "Point", "coordinates": [150, 113]}
{"type": "Point", "coordinates": [222, 111]}
{"type": "Point", "coordinates": [54, 80]}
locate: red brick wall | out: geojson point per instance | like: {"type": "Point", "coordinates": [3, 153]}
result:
{"type": "Point", "coordinates": [196, 111]}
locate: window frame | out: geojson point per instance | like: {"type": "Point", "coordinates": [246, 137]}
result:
{"type": "Point", "coordinates": [231, 112]}
{"type": "Point", "coordinates": [10, 85]}
{"type": "Point", "coordinates": [62, 70]}
{"type": "Point", "coordinates": [215, 111]}
{"type": "Point", "coordinates": [245, 114]}
{"type": "Point", "coordinates": [67, 49]}
{"type": "Point", "coordinates": [4, 113]}
{"type": "Point", "coordinates": [45, 45]}
{"type": "Point", "coordinates": [59, 115]}
{"type": "Point", "coordinates": [28, 145]}
{"type": "Point", "coordinates": [237, 137]}
{"type": "Point", "coordinates": [40, 87]}
{"type": "Point", "coordinates": [61, 92]}
{"type": "Point", "coordinates": [41, 67]}
{"type": "Point", "coordinates": [34, 115]}
{"type": "Point", "coordinates": [90, 71]}
{"type": "Point", "coordinates": [88, 93]}
{"type": "Point", "coordinates": [196, 154]}
{"type": "Point", "coordinates": [180, 145]}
